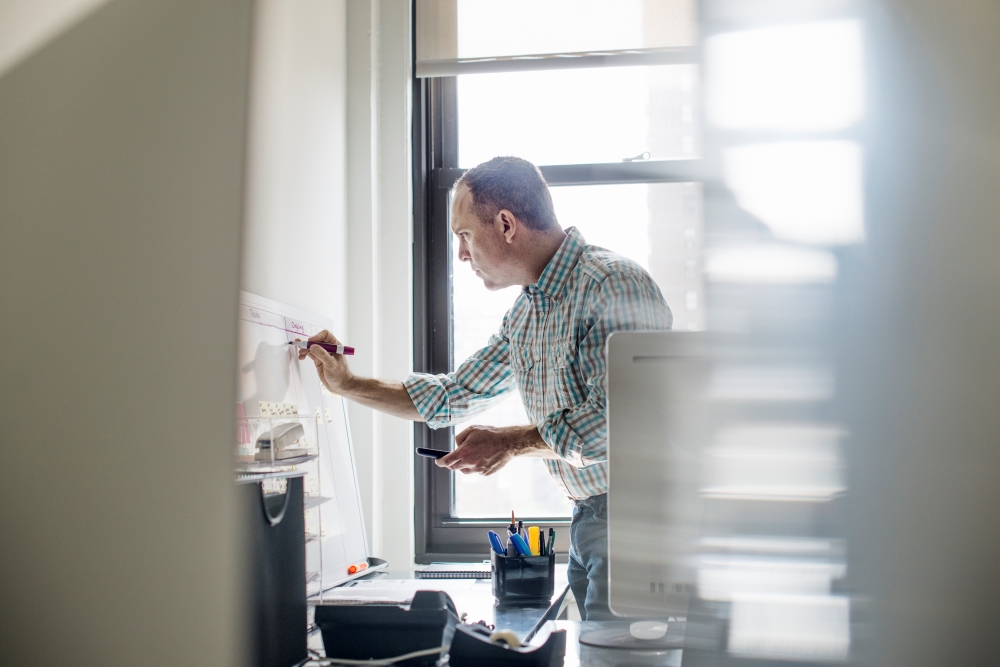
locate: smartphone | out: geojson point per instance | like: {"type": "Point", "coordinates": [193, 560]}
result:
{"type": "Point", "coordinates": [432, 453]}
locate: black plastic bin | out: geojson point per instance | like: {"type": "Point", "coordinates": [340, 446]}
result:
{"type": "Point", "coordinates": [523, 579]}
{"type": "Point", "coordinates": [362, 632]}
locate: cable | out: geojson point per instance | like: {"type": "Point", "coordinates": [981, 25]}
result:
{"type": "Point", "coordinates": [380, 662]}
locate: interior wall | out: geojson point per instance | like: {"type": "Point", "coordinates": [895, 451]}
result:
{"type": "Point", "coordinates": [362, 206]}
{"type": "Point", "coordinates": [294, 246]}
{"type": "Point", "coordinates": [27, 25]}
{"type": "Point", "coordinates": [121, 195]}
{"type": "Point", "coordinates": [328, 225]}
{"type": "Point", "coordinates": [921, 339]}
{"type": "Point", "coordinates": [381, 274]}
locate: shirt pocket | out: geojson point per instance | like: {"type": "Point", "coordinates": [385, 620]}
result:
{"type": "Point", "coordinates": [521, 359]}
{"type": "Point", "coordinates": [522, 364]}
{"type": "Point", "coordinates": [561, 371]}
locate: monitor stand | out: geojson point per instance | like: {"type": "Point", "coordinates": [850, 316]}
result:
{"type": "Point", "coordinates": [637, 635]}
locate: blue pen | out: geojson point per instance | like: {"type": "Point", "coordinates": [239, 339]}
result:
{"type": "Point", "coordinates": [520, 545]}
{"type": "Point", "coordinates": [497, 544]}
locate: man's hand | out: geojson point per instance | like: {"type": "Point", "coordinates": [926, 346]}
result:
{"type": "Point", "coordinates": [336, 375]}
{"type": "Point", "coordinates": [332, 368]}
{"type": "Point", "coordinates": [487, 449]}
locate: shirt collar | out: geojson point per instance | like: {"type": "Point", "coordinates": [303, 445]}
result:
{"type": "Point", "coordinates": [556, 272]}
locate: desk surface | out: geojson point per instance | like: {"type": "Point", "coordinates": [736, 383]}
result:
{"type": "Point", "coordinates": [474, 598]}
{"type": "Point", "coordinates": [477, 603]}
{"type": "Point", "coordinates": [581, 655]}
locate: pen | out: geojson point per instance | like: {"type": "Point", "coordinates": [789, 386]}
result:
{"type": "Point", "coordinates": [519, 545]}
{"type": "Point", "coordinates": [329, 347]}
{"type": "Point", "coordinates": [496, 544]}
{"type": "Point", "coordinates": [520, 529]}
{"type": "Point", "coordinates": [512, 528]}
{"type": "Point", "coordinates": [552, 540]}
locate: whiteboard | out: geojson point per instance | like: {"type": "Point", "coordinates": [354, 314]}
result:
{"type": "Point", "coordinates": [269, 374]}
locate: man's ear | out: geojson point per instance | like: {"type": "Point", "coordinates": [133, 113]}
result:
{"type": "Point", "coordinates": [508, 224]}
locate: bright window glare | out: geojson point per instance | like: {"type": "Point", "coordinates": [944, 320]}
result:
{"type": "Point", "coordinates": [556, 26]}
{"type": "Point", "coordinates": [770, 264]}
{"type": "Point", "coordinates": [806, 191]}
{"type": "Point", "coordinates": [787, 78]}
{"type": "Point", "coordinates": [611, 216]}
{"type": "Point", "coordinates": [774, 462]}
{"type": "Point", "coordinates": [790, 627]}
{"type": "Point", "coordinates": [578, 116]}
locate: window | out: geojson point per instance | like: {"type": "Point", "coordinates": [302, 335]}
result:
{"type": "Point", "coordinates": [617, 144]}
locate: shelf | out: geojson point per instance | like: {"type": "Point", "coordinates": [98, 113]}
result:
{"type": "Point", "coordinates": [254, 467]}
{"type": "Point", "coordinates": [312, 502]}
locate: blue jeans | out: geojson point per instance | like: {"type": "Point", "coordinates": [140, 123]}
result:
{"type": "Point", "coordinates": [588, 557]}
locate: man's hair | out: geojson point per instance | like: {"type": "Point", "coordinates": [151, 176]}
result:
{"type": "Point", "coordinates": [513, 184]}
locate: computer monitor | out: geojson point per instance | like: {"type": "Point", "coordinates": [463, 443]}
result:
{"type": "Point", "coordinates": [654, 415]}
{"type": "Point", "coordinates": [724, 471]}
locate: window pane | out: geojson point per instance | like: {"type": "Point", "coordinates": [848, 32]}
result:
{"type": "Point", "coordinates": [579, 116]}
{"type": "Point", "coordinates": [499, 28]}
{"type": "Point", "coordinates": [657, 225]}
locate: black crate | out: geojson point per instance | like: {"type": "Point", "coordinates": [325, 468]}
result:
{"type": "Point", "coordinates": [523, 579]}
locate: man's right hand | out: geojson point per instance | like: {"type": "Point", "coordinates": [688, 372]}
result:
{"type": "Point", "coordinates": [336, 375]}
{"type": "Point", "coordinates": [332, 368]}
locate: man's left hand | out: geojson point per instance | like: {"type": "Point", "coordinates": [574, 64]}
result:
{"type": "Point", "coordinates": [487, 449]}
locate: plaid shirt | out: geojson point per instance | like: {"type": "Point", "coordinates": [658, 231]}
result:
{"type": "Point", "coordinates": [551, 348]}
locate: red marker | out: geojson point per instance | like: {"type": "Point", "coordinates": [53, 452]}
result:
{"type": "Point", "coordinates": [329, 347]}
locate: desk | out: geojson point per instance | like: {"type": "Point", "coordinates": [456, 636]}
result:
{"type": "Point", "coordinates": [580, 655]}
{"type": "Point", "coordinates": [479, 604]}
{"type": "Point", "coordinates": [476, 603]}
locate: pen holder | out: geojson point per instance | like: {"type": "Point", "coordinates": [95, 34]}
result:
{"type": "Point", "coordinates": [523, 579]}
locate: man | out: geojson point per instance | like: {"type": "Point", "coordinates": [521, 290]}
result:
{"type": "Point", "coordinates": [550, 347]}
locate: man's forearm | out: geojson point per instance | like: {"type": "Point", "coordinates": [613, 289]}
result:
{"type": "Point", "coordinates": [528, 442]}
{"type": "Point", "coordinates": [389, 397]}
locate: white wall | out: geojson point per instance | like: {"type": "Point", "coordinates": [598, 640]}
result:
{"type": "Point", "coordinates": [328, 225]}
{"type": "Point", "coordinates": [295, 233]}
{"type": "Point", "coordinates": [380, 261]}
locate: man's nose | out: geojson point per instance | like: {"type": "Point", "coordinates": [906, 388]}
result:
{"type": "Point", "coordinates": [463, 252]}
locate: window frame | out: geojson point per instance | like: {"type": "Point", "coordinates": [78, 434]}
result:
{"type": "Point", "coordinates": [438, 535]}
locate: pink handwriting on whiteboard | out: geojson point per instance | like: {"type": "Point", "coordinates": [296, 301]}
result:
{"type": "Point", "coordinates": [255, 313]}
{"type": "Point", "coordinates": [298, 328]}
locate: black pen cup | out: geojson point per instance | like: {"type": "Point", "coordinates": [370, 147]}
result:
{"type": "Point", "coordinates": [523, 579]}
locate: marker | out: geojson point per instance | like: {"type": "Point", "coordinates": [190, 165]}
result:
{"type": "Point", "coordinates": [552, 540]}
{"type": "Point", "coordinates": [534, 541]}
{"type": "Point", "coordinates": [496, 544]}
{"type": "Point", "coordinates": [519, 545]}
{"type": "Point", "coordinates": [329, 347]}
{"type": "Point", "coordinates": [520, 529]}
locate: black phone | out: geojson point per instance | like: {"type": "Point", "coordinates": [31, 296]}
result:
{"type": "Point", "coordinates": [432, 453]}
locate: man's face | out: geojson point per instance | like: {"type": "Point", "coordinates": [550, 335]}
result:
{"type": "Point", "coordinates": [482, 245]}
